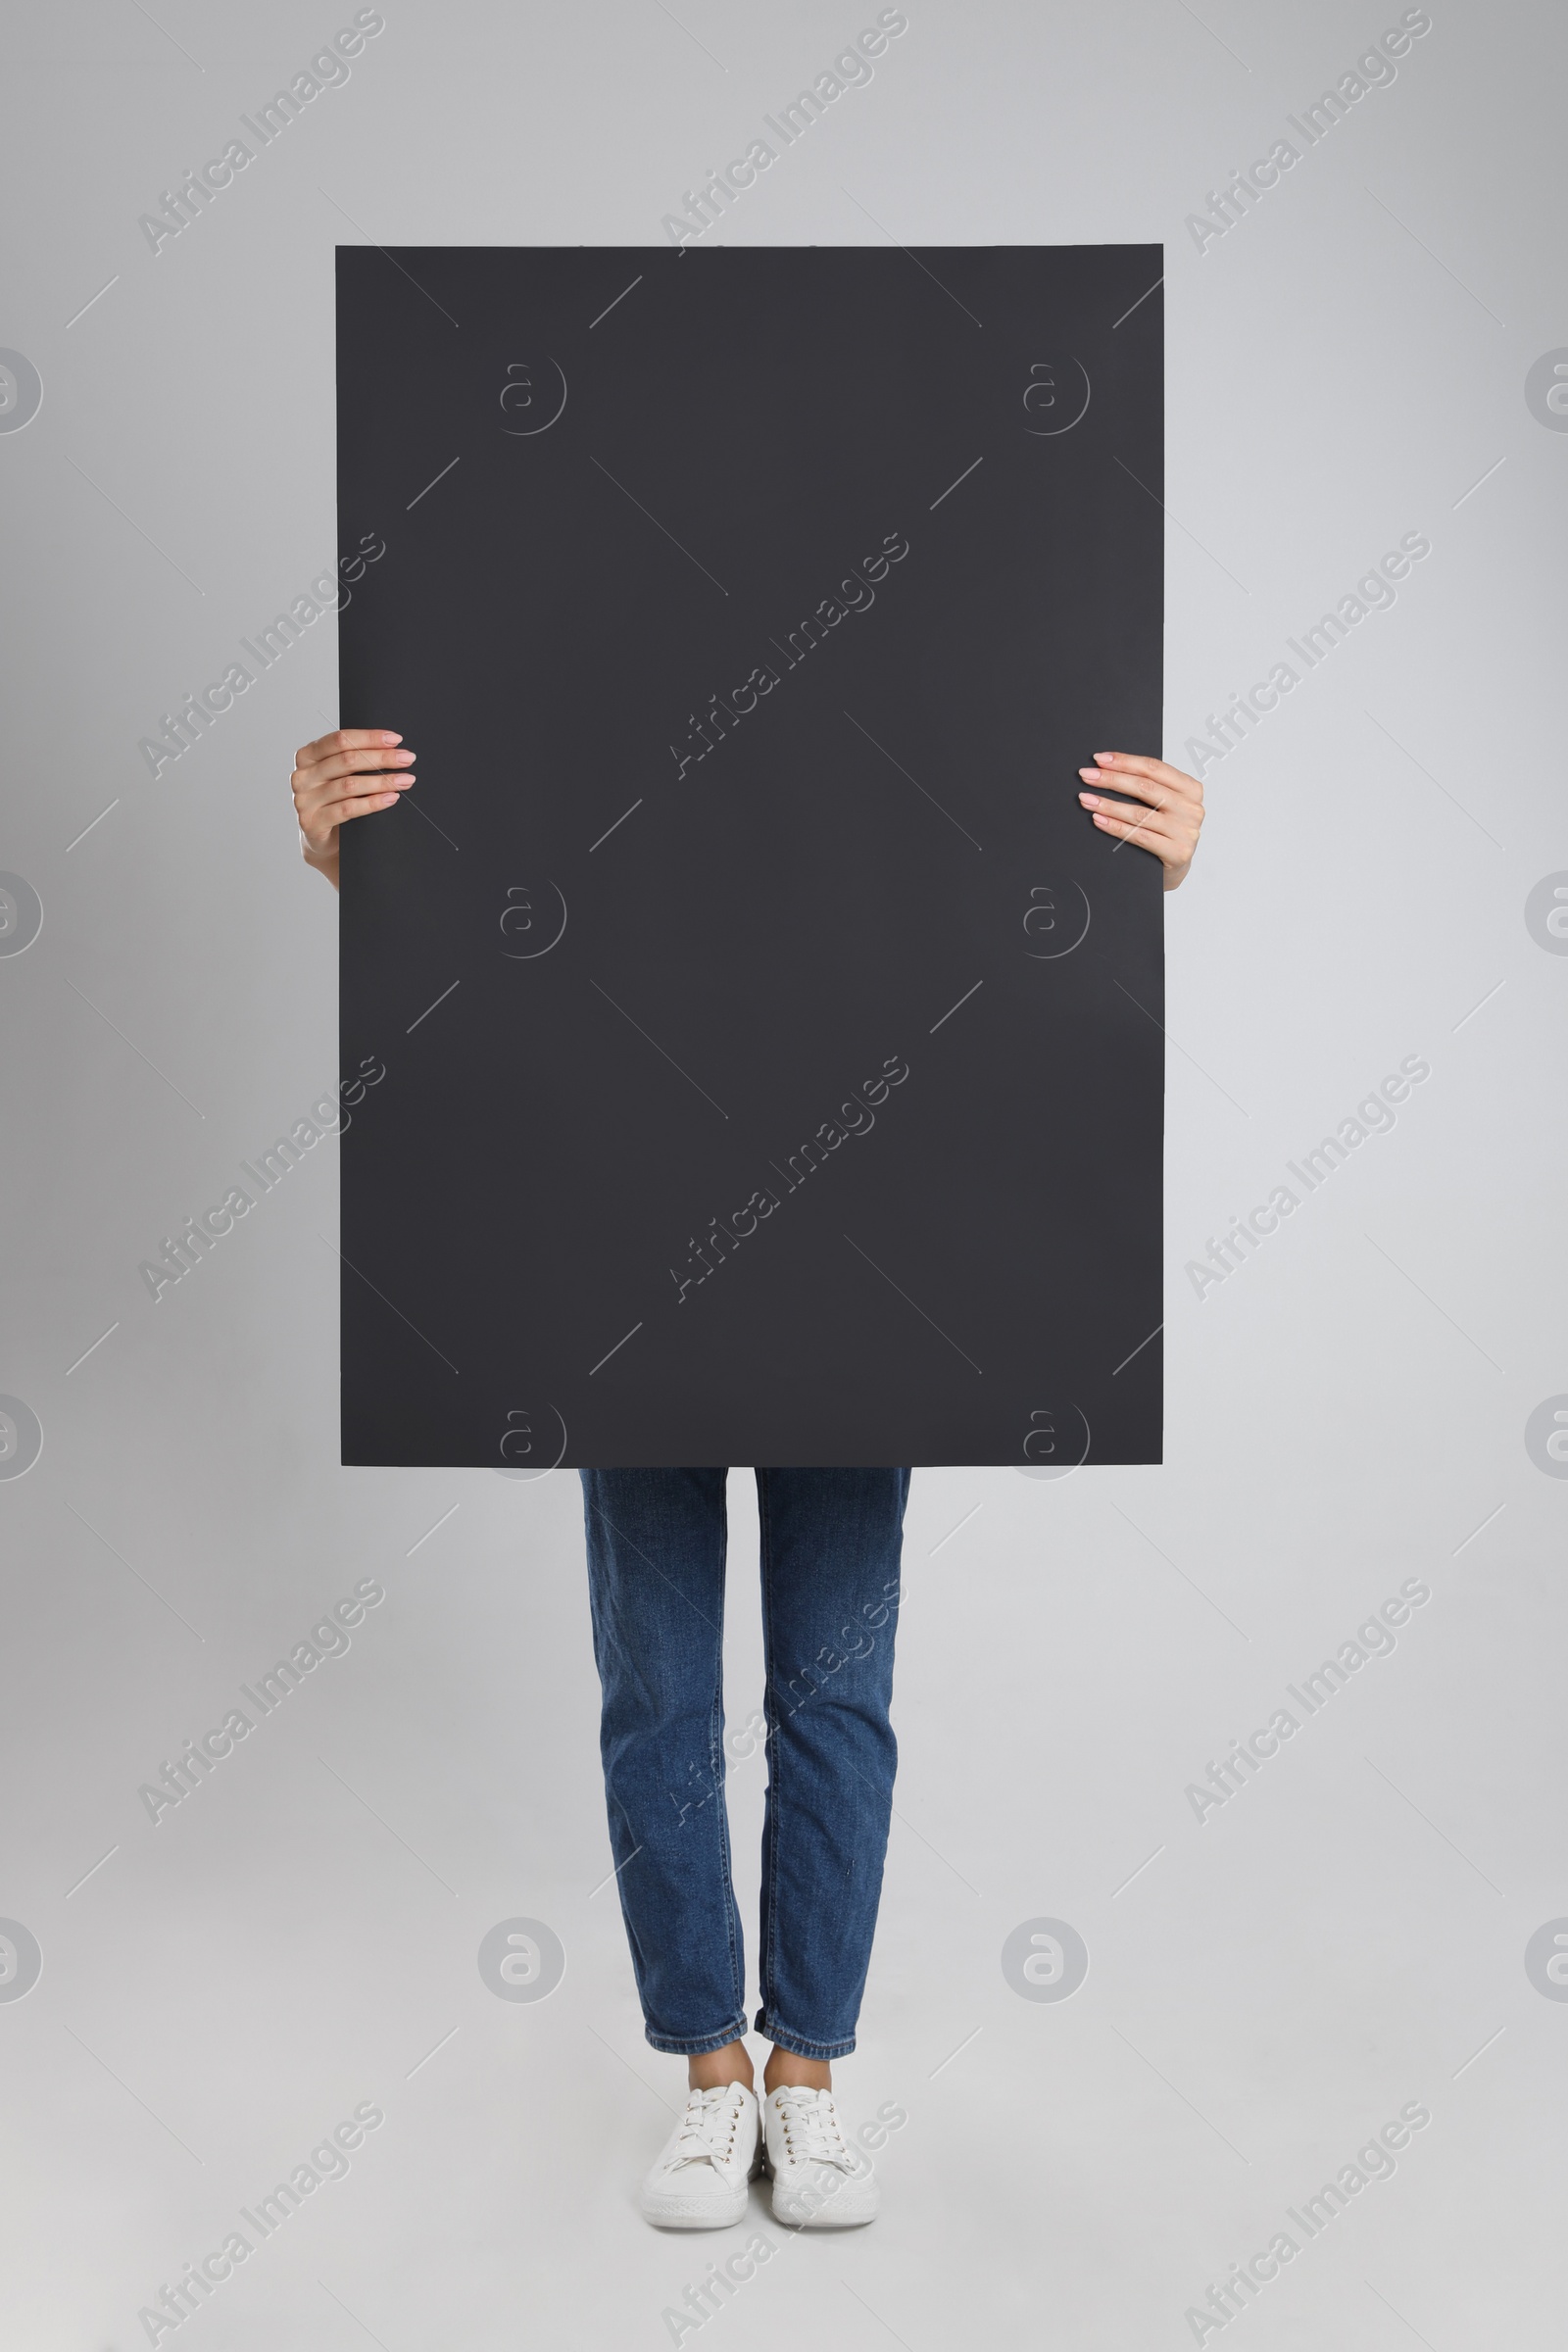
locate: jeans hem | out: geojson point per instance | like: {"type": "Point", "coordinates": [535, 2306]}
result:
{"type": "Point", "coordinates": [801, 2045]}
{"type": "Point", "coordinates": [687, 2045]}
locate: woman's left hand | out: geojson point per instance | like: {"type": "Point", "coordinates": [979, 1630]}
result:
{"type": "Point", "coordinates": [1174, 819]}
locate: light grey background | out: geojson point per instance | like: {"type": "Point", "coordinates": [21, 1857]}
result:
{"type": "Point", "coordinates": [1344, 364]}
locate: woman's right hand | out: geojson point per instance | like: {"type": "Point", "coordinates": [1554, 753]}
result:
{"type": "Point", "coordinates": [352, 772]}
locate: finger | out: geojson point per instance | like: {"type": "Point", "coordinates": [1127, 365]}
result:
{"type": "Point", "coordinates": [1140, 788]}
{"type": "Point", "coordinates": [1151, 832]}
{"type": "Point", "coordinates": [351, 763]}
{"type": "Point", "coordinates": [311, 807]}
{"type": "Point", "coordinates": [1165, 824]}
{"type": "Point", "coordinates": [311, 802]}
{"type": "Point", "coordinates": [353, 772]}
{"type": "Point", "coordinates": [343, 812]}
{"type": "Point", "coordinates": [1166, 814]}
{"type": "Point", "coordinates": [343, 739]}
{"type": "Point", "coordinates": [1119, 766]}
{"type": "Point", "coordinates": [337, 764]}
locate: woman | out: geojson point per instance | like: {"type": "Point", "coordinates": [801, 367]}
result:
{"type": "Point", "coordinates": [830, 1550]}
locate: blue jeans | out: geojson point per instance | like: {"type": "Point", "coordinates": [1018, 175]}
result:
{"type": "Point", "coordinates": [830, 1548]}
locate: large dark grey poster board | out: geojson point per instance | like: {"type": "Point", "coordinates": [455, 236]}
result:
{"type": "Point", "coordinates": [771, 1045]}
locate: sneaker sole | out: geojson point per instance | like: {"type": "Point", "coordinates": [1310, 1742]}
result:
{"type": "Point", "coordinates": [820, 2217]}
{"type": "Point", "coordinates": [695, 2213]}
{"type": "Point", "coordinates": [667, 2211]}
{"type": "Point", "coordinates": [823, 2213]}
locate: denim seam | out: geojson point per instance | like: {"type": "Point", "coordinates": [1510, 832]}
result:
{"type": "Point", "coordinates": [766, 1958]}
{"type": "Point", "coordinates": [783, 2038]}
{"type": "Point", "coordinates": [721, 1812]}
{"type": "Point", "coordinates": [715, 1766]}
{"type": "Point", "coordinates": [677, 2045]}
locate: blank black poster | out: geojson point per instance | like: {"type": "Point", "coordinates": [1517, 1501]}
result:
{"type": "Point", "coordinates": [772, 1045]}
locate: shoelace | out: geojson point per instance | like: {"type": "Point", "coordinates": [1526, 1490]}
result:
{"type": "Point", "coordinates": [811, 2132]}
{"type": "Point", "coordinates": [700, 2139]}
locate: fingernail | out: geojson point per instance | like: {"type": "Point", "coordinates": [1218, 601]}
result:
{"type": "Point", "coordinates": [1106, 758]}
{"type": "Point", "coordinates": [1089, 800]}
{"type": "Point", "coordinates": [385, 738]}
{"type": "Point", "coordinates": [1093, 774]}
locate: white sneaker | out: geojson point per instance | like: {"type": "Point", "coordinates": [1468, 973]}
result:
{"type": "Point", "coordinates": [820, 2182]}
{"type": "Point", "coordinates": [699, 2181]}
